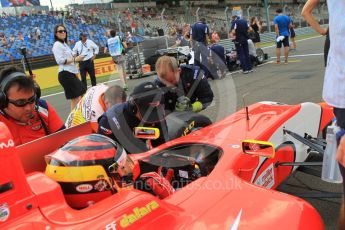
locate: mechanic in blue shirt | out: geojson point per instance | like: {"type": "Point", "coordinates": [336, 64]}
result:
{"type": "Point", "coordinates": [282, 25]}
{"type": "Point", "coordinates": [239, 33]}
{"type": "Point", "coordinates": [217, 60]}
{"type": "Point", "coordinates": [200, 36]}
{"type": "Point", "coordinates": [186, 87]}
{"type": "Point", "coordinates": [143, 108]}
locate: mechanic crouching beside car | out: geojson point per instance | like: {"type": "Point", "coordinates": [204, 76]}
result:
{"type": "Point", "coordinates": [143, 108]}
{"type": "Point", "coordinates": [185, 87]}
{"type": "Point", "coordinates": [26, 115]}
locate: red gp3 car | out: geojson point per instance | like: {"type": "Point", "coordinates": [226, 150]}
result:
{"type": "Point", "coordinates": [234, 188]}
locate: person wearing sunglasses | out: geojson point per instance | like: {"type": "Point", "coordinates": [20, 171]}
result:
{"type": "Point", "coordinates": [26, 115]}
{"type": "Point", "coordinates": [68, 69]}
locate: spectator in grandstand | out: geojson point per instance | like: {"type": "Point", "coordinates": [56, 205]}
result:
{"type": "Point", "coordinates": [148, 30]}
{"type": "Point", "coordinates": [186, 82]}
{"type": "Point", "coordinates": [4, 42]}
{"type": "Point", "coordinates": [334, 86]}
{"type": "Point", "coordinates": [87, 48]}
{"type": "Point", "coordinates": [200, 38]}
{"type": "Point", "coordinates": [12, 38]}
{"type": "Point", "coordinates": [31, 36]}
{"type": "Point", "coordinates": [20, 36]}
{"type": "Point", "coordinates": [239, 34]}
{"type": "Point", "coordinates": [256, 28]}
{"type": "Point", "coordinates": [68, 69]}
{"type": "Point", "coordinates": [143, 108]}
{"type": "Point", "coordinates": [282, 25]}
{"type": "Point", "coordinates": [116, 47]}
{"type": "Point", "coordinates": [133, 26]}
{"type": "Point", "coordinates": [94, 103]}
{"type": "Point", "coordinates": [27, 116]}
{"type": "Point", "coordinates": [37, 33]}
{"type": "Point", "coordinates": [215, 37]}
{"type": "Point", "coordinates": [172, 31]}
{"type": "Point", "coordinates": [182, 40]}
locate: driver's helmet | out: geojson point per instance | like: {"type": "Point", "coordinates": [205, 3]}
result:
{"type": "Point", "coordinates": [89, 169]}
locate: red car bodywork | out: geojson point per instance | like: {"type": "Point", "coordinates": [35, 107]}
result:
{"type": "Point", "coordinates": [238, 194]}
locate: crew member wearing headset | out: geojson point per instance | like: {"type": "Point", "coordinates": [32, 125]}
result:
{"type": "Point", "coordinates": [185, 87]}
{"type": "Point", "coordinates": [26, 115]}
{"type": "Point", "coordinates": [87, 48]}
{"type": "Point", "coordinates": [143, 108]}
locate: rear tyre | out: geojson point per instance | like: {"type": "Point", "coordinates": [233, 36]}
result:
{"type": "Point", "coordinates": [260, 55]}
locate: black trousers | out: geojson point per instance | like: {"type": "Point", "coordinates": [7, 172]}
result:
{"type": "Point", "coordinates": [87, 66]}
{"type": "Point", "coordinates": [243, 53]}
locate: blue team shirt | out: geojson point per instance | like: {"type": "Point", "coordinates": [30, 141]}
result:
{"type": "Point", "coordinates": [283, 23]}
{"type": "Point", "coordinates": [218, 50]}
{"type": "Point", "coordinates": [241, 29]}
{"type": "Point", "coordinates": [199, 31]}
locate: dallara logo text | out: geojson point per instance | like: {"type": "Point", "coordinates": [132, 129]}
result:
{"type": "Point", "coordinates": [138, 213]}
{"type": "Point", "coordinates": [9, 144]}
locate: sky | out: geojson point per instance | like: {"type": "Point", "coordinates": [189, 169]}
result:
{"type": "Point", "coordinates": [59, 3]}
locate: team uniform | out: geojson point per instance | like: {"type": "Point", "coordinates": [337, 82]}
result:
{"type": "Point", "coordinates": [89, 108]}
{"type": "Point", "coordinates": [119, 122]}
{"type": "Point", "coordinates": [143, 108]}
{"type": "Point", "coordinates": [199, 33]}
{"type": "Point", "coordinates": [45, 119]}
{"type": "Point", "coordinates": [192, 84]}
{"type": "Point", "coordinates": [241, 43]}
{"type": "Point", "coordinates": [217, 60]}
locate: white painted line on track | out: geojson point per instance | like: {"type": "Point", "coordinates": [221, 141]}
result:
{"type": "Point", "coordinates": [305, 39]}
{"type": "Point", "coordinates": [301, 55]}
{"type": "Point", "coordinates": [54, 94]}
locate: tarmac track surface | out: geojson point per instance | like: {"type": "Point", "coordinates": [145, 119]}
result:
{"type": "Point", "coordinates": [299, 81]}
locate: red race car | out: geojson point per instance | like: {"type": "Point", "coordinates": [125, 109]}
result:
{"type": "Point", "coordinates": [220, 177]}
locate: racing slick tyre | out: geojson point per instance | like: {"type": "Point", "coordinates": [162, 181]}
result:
{"type": "Point", "coordinates": [182, 123]}
{"type": "Point", "coordinates": [260, 55]}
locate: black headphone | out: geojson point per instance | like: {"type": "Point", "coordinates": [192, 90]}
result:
{"type": "Point", "coordinates": [5, 83]}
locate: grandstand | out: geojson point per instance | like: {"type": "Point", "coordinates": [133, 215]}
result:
{"type": "Point", "coordinates": [96, 19]}
{"type": "Point", "coordinates": [15, 26]}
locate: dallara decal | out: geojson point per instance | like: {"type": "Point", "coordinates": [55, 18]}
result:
{"type": "Point", "coordinates": [138, 213]}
